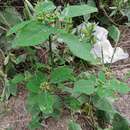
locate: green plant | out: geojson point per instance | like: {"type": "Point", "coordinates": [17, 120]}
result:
{"type": "Point", "coordinates": [7, 57]}
{"type": "Point", "coordinates": [48, 25]}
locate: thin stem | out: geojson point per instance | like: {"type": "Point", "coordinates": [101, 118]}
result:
{"type": "Point", "coordinates": [2, 97]}
{"type": "Point", "coordinates": [113, 54]}
{"type": "Point", "coordinates": [50, 50]}
{"type": "Point", "coordinates": [3, 28]}
{"type": "Point", "coordinates": [102, 55]}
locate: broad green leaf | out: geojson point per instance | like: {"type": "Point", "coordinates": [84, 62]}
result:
{"type": "Point", "coordinates": [79, 49]}
{"type": "Point", "coordinates": [33, 34]}
{"type": "Point", "coordinates": [21, 58]}
{"type": "Point", "coordinates": [123, 88]}
{"type": "Point", "coordinates": [11, 90]}
{"type": "Point", "coordinates": [74, 126]}
{"type": "Point", "coordinates": [32, 99]}
{"type": "Point", "coordinates": [103, 116]}
{"type": "Point", "coordinates": [57, 107]}
{"type": "Point", "coordinates": [46, 102]}
{"type": "Point", "coordinates": [83, 99]}
{"type": "Point", "coordinates": [103, 104]}
{"type": "Point", "coordinates": [10, 17]}
{"type": "Point", "coordinates": [84, 86]}
{"type": "Point", "coordinates": [34, 84]}
{"type": "Point", "coordinates": [72, 103]}
{"type": "Point", "coordinates": [120, 123]}
{"type": "Point", "coordinates": [57, 102]}
{"type": "Point", "coordinates": [43, 7]}
{"type": "Point", "coordinates": [114, 33]}
{"type": "Point", "coordinates": [77, 10]}
{"type": "Point", "coordinates": [5, 42]}
{"type": "Point", "coordinates": [118, 86]}
{"type": "Point", "coordinates": [101, 76]}
{"type": "Point", "coordinates": [105, 91]}
{"type": "Point", "coordinates": [17, 27]}
{"type": "Point", "coordinates": [61, 74]}
{"type": "Point", "coordinates": [32, 103]}
{"type": "Point", "coordinates": [17, 79]}
{"type": "Point", "coordinates": [34, 124]}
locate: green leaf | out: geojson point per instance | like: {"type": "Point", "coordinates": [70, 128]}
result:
{"type": "Point", "coordinates": [61, 74]}
{"type": "Point", "coordinates": [101, 76]}
{"type": "Point", "coordinates": [33, 34]}
{"type": "Point", "coordinates": [32, 103]}
{"type": "Point", "coordinates": [10, 17]}
{"type": "Point", "coordinates": [77, 10]}
{"type": "Point", "coordinates": [114, 33]}
{"type": "Point", "coordinates": [118, 86]}
{"type": "Point", "coordinates": [46, 102]}
{"type": "Point", "coordinates": [21, 58]}
{"type": "Point", "coordinates": [84, 86]}
{"type": "Point", "coordinates": [103, 116]}
{"type": "Point", "coordinates": [34, 84]}
{"type": "Point", "coordinates": [57, 102]}
{"type": "Point", "coordinates": [17, 79]}
{"type": "Point", "coordinates": [43, 7]}
{"type": "Point", "coordinates": [103, 104]}
{"type": "Point", "coordinates": [17, 27]}
{"type": "Point", "coordinates": [11, 90]}
{"type": "Point", "coordinates": [105, 91]}
{"type": "Point", "coordinates": [74, 126]}
{"type": "Point", "coordinates": [120, 123]}
{"type": "Point", "coordinates": [34, 124]}
{"type": "Point", "coordinates": [79, 49]}
{"type": "Point", "coordinates": [72, 103]}
{"type": "Point", "coordinates": [123, 88]}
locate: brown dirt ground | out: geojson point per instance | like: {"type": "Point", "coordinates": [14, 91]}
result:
{"type": "Point", "coordinates": [13, 113]}
{"type": "Point", "coordinates": [120, 69]}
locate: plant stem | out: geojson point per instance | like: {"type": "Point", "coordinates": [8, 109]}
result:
{"type": "Point", "coordinates": [50, 50]}
{"type": "Point", "coordinates": [113, 54]}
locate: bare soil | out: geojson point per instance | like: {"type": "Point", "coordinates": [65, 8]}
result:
{"type": "Point", "coordinates": [120, 69]}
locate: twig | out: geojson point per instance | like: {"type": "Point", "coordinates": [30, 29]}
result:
{"type": "Point", "coordinates": [3, 28]}
{"type": "Point", "coordinates": [50, 50]}
{"type": "Point", "coordinates": [109, 18]}
{"type": "Point", "coordinates": [120, 66]}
